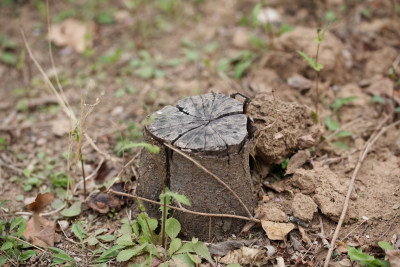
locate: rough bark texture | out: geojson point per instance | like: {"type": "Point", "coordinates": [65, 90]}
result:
{"type": "Point", "coordinates": [211, 129]}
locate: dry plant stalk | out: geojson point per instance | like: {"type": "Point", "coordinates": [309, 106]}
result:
{"type": "Point", "coordinates": [362, 157]}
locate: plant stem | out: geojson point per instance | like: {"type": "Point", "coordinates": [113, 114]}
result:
{"type": "Point", "coordinates": [164, 214]}
{"type": "Point", "coordinates": [84, 176]}
{"type": "Point", "coordinates": [316, 82]}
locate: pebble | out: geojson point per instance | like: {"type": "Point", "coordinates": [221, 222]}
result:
{"type": "Point", "coordinates": [63, 224]}
{"type": "Point", "coordinates": [270, 250]}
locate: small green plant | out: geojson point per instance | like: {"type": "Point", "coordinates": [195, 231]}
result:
{"type": "Point", "coordinates": [145, 66]}
{"type": "Point", "coordinates": [7, 47]}
{"type": "Point", "coordinates": [240, 62]}
{"type": "Point", "coordinates": [13, 249]}
{"type": "Point", "coordinates": [138, 237]}
{"type": "Point", "coordinates": [315, 65]}
{"type": "Point", "coordinates": [194, 53]}
{"type": "Point", "coordinates": [368, 260]}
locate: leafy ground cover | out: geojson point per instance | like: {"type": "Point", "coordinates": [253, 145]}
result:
{"type": "Point", "coordinates": [118, 61]}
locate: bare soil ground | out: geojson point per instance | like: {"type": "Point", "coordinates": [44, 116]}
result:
{"type": "Point", "coordinates": [134, 57]}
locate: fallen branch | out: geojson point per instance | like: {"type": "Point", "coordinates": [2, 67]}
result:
{"type": "Point", "coordinates": [186, 210]}
{"type": "Point", "coordinates": [362, 157]}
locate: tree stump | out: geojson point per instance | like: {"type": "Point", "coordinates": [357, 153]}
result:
{"type": "Point", "coordinates": [212, 130]}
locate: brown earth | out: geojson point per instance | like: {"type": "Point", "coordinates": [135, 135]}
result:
{"type": "Point", "coordinates": [360, 55]}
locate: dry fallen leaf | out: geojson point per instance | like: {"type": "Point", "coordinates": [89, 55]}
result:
{"type": "Point", "coordinates": [277, 231]}
{"type": "Point", "coordinates": [393, 256]}
{"type": "Point", "coordinates": [73, 33]}
{"type": "Point", "coordinates": [245, 256]}
{"type": "Point", "coordinates": [40, 231]}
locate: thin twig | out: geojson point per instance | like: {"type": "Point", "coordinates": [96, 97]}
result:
{"type": "Point", "coordinates": [44, 214]}
{"type": "Point", "coordinates": [90, 176]}
{"type": "Point", "coordinates": [362, 157]}
{"type": "Point", "coordinates": [186, 210]}
{"type": "Point", "coordinates": [213, 175]}
{"type": "Point", "coordinates": [23, 241]}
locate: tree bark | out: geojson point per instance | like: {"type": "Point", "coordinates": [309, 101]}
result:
{"type": "Point", "coordinates": [212, 130]}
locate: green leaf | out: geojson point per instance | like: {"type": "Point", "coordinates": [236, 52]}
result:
{"type": "Point", "coordinates": [344, 134]}
{"type": "Point", "coordinates": [331, 124]}
{"type": "Point", "coordinates": [174, 246]}
{"type": "Point", "coordinates": [6, 245]}
{"type": "Point", "coordinates": [21, 60]}
{"type": "Point", "coordinates": [255, 13]}
{"type": "Point", "coordinates": [109, 253]}
{"type": "Point", "coordinates": [223, 65]}
{"type": "Point", "coordinates": [145, 72]}
{"type": "Point", "coordinates": [149, 147]}
{"type": "Point", "coordinates": [126, 254]}
{"type": "Point", "coordinates": [321, 34]}
{"type": "Point", "coordinates": [57, 250]}
{"type": "Point", "coordinates": [201, 250]}
{"type": "Point", "coordinates": [124, 240]}
{"type": "Point", "coordinates": [188, 247]}
{"type": "Point", "coordinates": [339, 102]}
{"type": "Point", "coordinates": [64, 257]}
{"type": "Point", "coordinates": [315, 65]}
{"type": "Point", "coordinates": [20, 223]}
{"type": "Point", "coordinates": [72, 211]}
{"type": "Point", "coordinates": [182, 260]}
{"type": "Point", "coordinates": [106, 238]}
{"type": "Point", "coordinates": [196, 259]}
{"type": "Point", "coordinates": [241, 67]}
{"type": "Point", "coordinates": [172, 227]}
{"type": "Point", "coordinates": [92, 241]}
{"type": "Point", "coordinates": [8, 58]}
{"type": "Point", "coordinates": [105, 17]}
{"type": "Point", "coordinates": [177, 197]}
{"type": "Point", "coordinates": [365, 259]}
{"type": "Point", "coordinates": [385, 245]}
{"type": "Point", "coordinates": [27, 254]}
{"type": "Point", "coordinates": [3, 260]}
{"type": "Point", "coordinates": [78, 231]}
{"type": "Point", "coordinates": [378, 99]}
{"type": "Point", "coordinates": [340, 145]}
{"type": "Point", "coordinates": [126, 229]}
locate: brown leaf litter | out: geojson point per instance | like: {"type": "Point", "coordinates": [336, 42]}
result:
{"type": "Point", "coordinates": [40, 231]}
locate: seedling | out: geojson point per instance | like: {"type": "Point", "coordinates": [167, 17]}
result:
{"type": "Point", "coordinates": [240, 62]}
{"type": "Point", "coordinates": [315, 65]}
{"type": "Point", "coordinates": [13, 249]}
{"type": "Point", "coordinates": [368, 260]}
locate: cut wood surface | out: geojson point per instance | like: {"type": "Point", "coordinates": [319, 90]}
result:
{"type": "Point", "coordinates": [209, 123]}
{"type": "Point", "coordinates": [212, 130]}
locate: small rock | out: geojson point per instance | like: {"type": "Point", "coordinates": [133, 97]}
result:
{"type": "Point", "coordinates": [277, 231]}
{"type": "Point", "coordinates": [300, 82]}
{"type": "Point", "coordinates": [270, 250]}
{"type": "Point", "coordinates": [240, 38]}
{"type": "Point", "coordinates": [298, 160]}
{"type": "Point", "coordinates": [117, 111]}
{"type": "Point", "coordinates": [303, 207]}
{"type": "Point", "coordinates": [63, 224]}
{"type": "Point", "coordinates": [273, 214]}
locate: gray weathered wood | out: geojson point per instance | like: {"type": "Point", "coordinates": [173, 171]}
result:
{"type": "Point", "coordinates": [211, 129]}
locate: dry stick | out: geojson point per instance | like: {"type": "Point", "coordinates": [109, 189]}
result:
{"type": "Point", "coordinates": [186, 210]}
{"type": "Point", "coordinates": [90, 176]}
{"type": "Point", "coordinates": [316, 81]}
{"type": "Point", "coordinates": [213, 175]}
{"type": "Point", "coordinates": [370, 142]}
{"type": "Point", "coordinates": [52, 59]}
